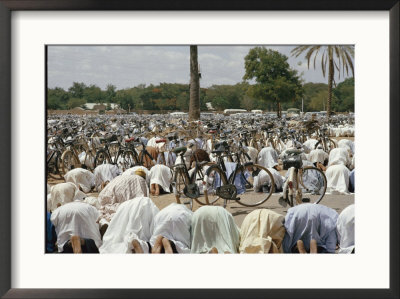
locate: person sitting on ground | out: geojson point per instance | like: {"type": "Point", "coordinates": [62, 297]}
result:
{"type": "Point", "coordinates": [76, 228]}
{"type": "Point", "coordinates": [63, 193]}
{"type": "Point", "coordinates": [262, 181]}
{"type": "Point", "coordinates": [119, 190]}
{"type": "Point", "coordinates": [345, 230]}
{"type": "Point", "coordinates": [262, 231]}
{"type": "Point", "coordinates": [310, 221]}
{"type": "Point", "coordinates": [105, 173]}
{"type": "Point", "coordinates": [82, 178]}
{"type": "Point", "coordinates": [213, 230]}
{"type": "Point", "coordinates": [268, 158]}
{"type": "Point", "coordinates": [171, 232]}
{"type": "Point", "coordinates": [131, 227]}
{"type": "Point", "coordinates": [160, 179]}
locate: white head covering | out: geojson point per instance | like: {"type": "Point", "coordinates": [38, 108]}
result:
{"type": "Point", "coordinates": [173, 223]}
{"type": "Point", "coordinates": [267, 157]}
{"type": "Point", "coordinates": [133, 220]}
{"type": "Point", "coordinates": [214, 226]}
{"type": "Point", "coordinates": [63, 193]}
{"type": "Point", "coordinates": [81, 178]}
{"type": "Point", "coordinates": [345, 229]}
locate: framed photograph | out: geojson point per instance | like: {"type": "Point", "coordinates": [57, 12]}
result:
{"type": "Point", "coordinates": [36, 36]}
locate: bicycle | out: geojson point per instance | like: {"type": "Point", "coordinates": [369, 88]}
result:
{"type": "Point", "coordinates": [70, 157]}
{"type": "Point", "coordinates": [254, 183]}
{"type": "Point", "coordinates": [185, 182]}
{"type": "Point", "coordinates": [301, 179]}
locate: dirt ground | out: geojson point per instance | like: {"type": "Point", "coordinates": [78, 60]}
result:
{"type": "Point", "coordinates": [239, 212]}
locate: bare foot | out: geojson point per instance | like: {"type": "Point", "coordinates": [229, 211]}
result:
{"type": "Point", "coordinates": [76, 244]}
{"type": "Point", "coordinates": [300, 247]}
{"type": "Point", "coordinates": [313, 246]}
{"type": "Point", "coordinates": [136, 247]}
{"type": "Point", "coordinates": [213, 250]}
{"type": "Point", "coordinates": [167, 246]}
{"type": "Point", "coordinates": [157, 245]}
{"type": "Point", "coordinates": [157, 191]}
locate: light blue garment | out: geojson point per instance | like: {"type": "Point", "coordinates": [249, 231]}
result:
{"type": "Point", "coordinates": [310, 221]}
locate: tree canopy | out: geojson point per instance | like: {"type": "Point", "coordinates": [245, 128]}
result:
{"type": "Point", "coordinates": [274, 80]}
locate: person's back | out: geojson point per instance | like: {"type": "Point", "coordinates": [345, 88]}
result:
{"type": "Point", "coordinates": [345, 230]}
{"type": "Point", "coordinates": [308, 222]}
{"type": "Point", "coordinates": [262, 231]}
{"type": "Point", "coordinates": [214, 230]}
{"type": "Point", "coordinates": [76, 219]}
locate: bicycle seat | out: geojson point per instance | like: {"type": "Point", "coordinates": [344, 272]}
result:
{"type": "Point", "coordinates": [68, 142]}
{"type": "Point", "coordinates": [180, 149]}
{"type": "Point", "coordinates": [130, 139]}
{"type": "Point", "coordinates": [161, 140]}
{"type": "Point", "coordinates": [223, 144]}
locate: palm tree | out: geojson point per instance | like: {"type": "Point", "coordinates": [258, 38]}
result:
{"type": "Point", "coordinates": [337, 57]}
{"type": "Point", "coordinates": [194, 103]}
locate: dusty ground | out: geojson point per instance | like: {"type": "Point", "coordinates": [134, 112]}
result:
{"type": "Point", "coordinates": [336, 202]}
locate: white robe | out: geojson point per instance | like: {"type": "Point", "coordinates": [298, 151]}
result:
{"type": "Point", "coordinates": [339, 156]}
{"type": "Point", "coordinates": [119, 190]}
{"type": "Point", "coordinates": [162, 175]}
{"type": "Point", "coordinates": [318, 155]}
{"type": "Point", "coordinates": [173, 223]}
{"type": "Point", "coordinates": [133, 220]}
{"type": "Point", "coordinates": [338, 179]}
{"type": "Point", "coordinates": [131, 171]}
{"type": "Point", "coordinates": [213, 226]}
{"type": "Point", "coordinates": [267, 157]}
{"type": "Point", "coordinates": [346, 144]}
{"type": "Point", "coordinates": [263, 178]}
{"type": "Point", "coordinates": [76, 218]}
{"type": "Point", "coordinates": [104, 173]}
{"type": "Point", "coordinates": [310, 144]}
{"type": "Point", "coordinates": [63, 193]}
{"type": "Point", "coordinates": [81, 178]}
{"type": "Point", "coordinates": [345, 229]}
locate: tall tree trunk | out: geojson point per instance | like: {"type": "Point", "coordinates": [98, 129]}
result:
{"type": "Point", "coordinates": [279, 109]}
{"type": "Point", "coordinates": [330, 82]}
{"type": "Point", "coordinates": [194, 104]}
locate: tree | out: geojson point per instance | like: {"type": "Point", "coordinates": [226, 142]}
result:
{"type": "Point", "coordinates": [275, 80]}
{"type": "Point", "coordinates": [75, 102]}
{"type": "Point", "coordinates": [194, 104]}
{"type": "Point", "coordinates": [344, 96]}
{"type": "Point", "coordinates": [337, 57]}
{"type": "Point", "coordinates": [76, 90]}
{"type": "Point", "coordinates": [93, 94]}
{"type": "Point", "coordinates": [110, 93]}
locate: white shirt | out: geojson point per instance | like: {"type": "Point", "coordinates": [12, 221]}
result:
{"type": "Point", "coordinates": [76, 218]}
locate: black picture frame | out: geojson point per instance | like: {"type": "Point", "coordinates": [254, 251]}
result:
{"type": "Point", "coordinates": [6, 7]}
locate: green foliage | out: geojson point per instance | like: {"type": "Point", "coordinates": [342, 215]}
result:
{"type": "Point", "coordinates": [275, 81]}
{"type": "Point", "coordinates": [344, 94]}
{"type": "Point", "coordinates": [76, 90]}
{"type": "Point", "coordinates": [75, 102]}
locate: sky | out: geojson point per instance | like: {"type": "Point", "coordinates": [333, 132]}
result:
{"type": "Point", "coordinates": [129, 66]}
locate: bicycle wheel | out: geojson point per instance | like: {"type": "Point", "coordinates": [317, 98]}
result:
{"type": "Point", "coordinates": [68, 162]}
{"type": "Point", "coordinates": [313, 184]}
{"type": "Point", "coordinates": [213, 179]}
{"type": "Point", "coordinates": [113, 149]}
{"type": "Point", "coordinates": [331, 145]}
{"type": "Point", "coordinates": [199, 181]}
{"type": "Point", "coordinates": [255, 185]}
{"type": "Point", "coordinates": [179, 183]}
{"type": "Point", "coordinates": [128, 159]}
{"type": "Point", "coordinates": [102, 158]}
{"type": "Point", "coordinates": [54, 166]}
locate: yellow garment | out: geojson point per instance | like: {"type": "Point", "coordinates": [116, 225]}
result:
{"type": "Point", "coordinates": [262, 231]}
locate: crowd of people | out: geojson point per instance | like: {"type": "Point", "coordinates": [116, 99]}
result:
{"type": "Point", "coordinates": [123, 219]}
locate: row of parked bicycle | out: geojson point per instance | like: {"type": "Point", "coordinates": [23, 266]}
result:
{"type": "Point", "coordinates": [209, 159]}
